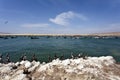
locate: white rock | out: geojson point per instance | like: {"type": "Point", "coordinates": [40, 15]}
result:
{"type": "Point", "coordinates": [17, 63]}
{"type": "Point", "coordinates": [28, 64]}
{"type": "Point", "coordinates": [22, 62]}
{"type": "Point", "coordinates": [66, 62]}
{"type": "Point", "coordinates": [88, 67]}
{"type": "Point", "coordinates": [7, 77]}
{"type": "Point", "coordinates": [36, 64]}
{"type": "Point", "coordinates": [80, 66]}
{"type": "Point", "coordinates": [5, 69]}
{"type": "Point", "coordinates": [19, 77]}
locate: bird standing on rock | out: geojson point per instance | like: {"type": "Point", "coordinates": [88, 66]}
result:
{"type": "Point", "coordinates": [34, 58]}
{"type": "Point", "coordinates": [55, 56]}
{"type": "Point", "coordinates": [62, 57]}
{"type": "Point", "coordinates": [49, 58]}
{"type": "Point", "coordinates": [79, 55]}
{"type": "Point", "coordinates": [7, 58]}
{"type": "Point", "coordinates": [1, 58]}
{"type": "Point", "coordinates": [23, 57]}
{"type": "Point", "coordinates": [72, 56]}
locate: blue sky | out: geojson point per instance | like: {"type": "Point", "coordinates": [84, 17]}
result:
{"type": "Point", "coordinates": [59, 16]}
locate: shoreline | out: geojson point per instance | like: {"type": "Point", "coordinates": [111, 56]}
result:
{"type": "Point", "coordinates": [95, 34]}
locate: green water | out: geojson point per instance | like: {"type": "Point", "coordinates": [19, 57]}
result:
{"type": "Point", "coordinates": [44, 46]}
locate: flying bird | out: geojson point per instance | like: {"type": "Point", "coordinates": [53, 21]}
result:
{"type": "Point", "coordinates": [5, 22]}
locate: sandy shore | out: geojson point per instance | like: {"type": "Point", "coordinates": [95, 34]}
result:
{"type": "Point", "coordinates": [92, 68]}
{"type": "Point", "coordinates": [96, 34]}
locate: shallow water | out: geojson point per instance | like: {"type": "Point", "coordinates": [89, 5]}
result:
{"type": "Point", "coordinates": [44, 46]}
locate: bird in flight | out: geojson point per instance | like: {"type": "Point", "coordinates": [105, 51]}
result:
{"type": "Point", "coordinates": [5, 22]}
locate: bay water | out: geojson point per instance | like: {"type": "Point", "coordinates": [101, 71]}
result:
{"type": "Point", "coordinates": [44, 47]}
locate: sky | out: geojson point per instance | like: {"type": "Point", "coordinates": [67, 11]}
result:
{"type": "Point", "coordinates": [59, 16]}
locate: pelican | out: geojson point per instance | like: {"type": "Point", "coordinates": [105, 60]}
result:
{"type": "Point", "coordinates": [21, 58]}
{"type": "Point", "coordinates": [72, 56]}
{"type": "Point", "coordinates": [85, 56]}
{"type": "Point", "coordinates": [49, 58]}
{"type": "Point", "coordinates": [7, 58]}
{"type": "Point", "coordinates": [34, 58]}
{"type": "Point", "coordinates": [55, 56]}
{"type": "Point", "coordinates": [61, 57]}
{"type": "Point", "coordinates": [1, 58]}
{"type": "Point", "coordinates": [80, 55]}
{"type": "Point", "coordinates": [24, 57]}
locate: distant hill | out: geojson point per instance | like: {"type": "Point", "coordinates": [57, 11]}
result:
{"type": "Point", "coordinates": [4, 33]}
{"type": "Point", "coordinates": [108, 34]}
{"type": "Point", "coordinates": [95, 34]}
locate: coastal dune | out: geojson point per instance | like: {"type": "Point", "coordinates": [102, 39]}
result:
{"type": "Point", "coordinates": [91, 68]}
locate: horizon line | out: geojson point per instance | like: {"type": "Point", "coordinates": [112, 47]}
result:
{"type": "Point", "coordinates": [32, 34]}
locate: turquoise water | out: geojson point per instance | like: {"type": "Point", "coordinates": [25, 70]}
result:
{"type": "Point", "coordinates": [44, 46]}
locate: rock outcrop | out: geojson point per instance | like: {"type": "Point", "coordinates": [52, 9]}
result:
{"type": "Point", "coordinates": [91, 68]}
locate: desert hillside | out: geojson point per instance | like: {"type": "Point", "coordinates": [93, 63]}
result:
{"type": "Point", "coordinates": [95, 34]}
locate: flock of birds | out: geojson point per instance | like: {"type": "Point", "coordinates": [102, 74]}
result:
{"type": "Point", "coordinates": [8, 60]}
{"type": "Point", "coordinates": [23, 57]}
{"type": "Point", "coordinates": [34, 58]}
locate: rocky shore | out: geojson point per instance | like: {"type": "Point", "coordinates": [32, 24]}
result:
{"type": "Point", "coordinates": [91, 68]}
